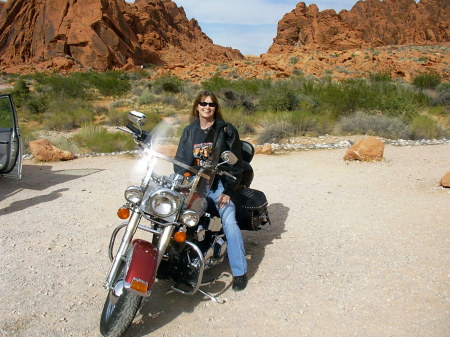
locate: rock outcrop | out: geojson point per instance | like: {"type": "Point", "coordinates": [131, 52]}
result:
{"type": "Point", "coordinates": [43, 150]}
{"type": "Point", "coordinates": [103, 34]}
{"type": "Point", "coordinates": [445, 181]}
{"type": "Point", "coordinates": [368, 149]}
{"type": "Point", "coordinates": [370, 23]}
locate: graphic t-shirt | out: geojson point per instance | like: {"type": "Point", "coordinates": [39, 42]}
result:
{"type": "Point", "coordinates": [202, 153]}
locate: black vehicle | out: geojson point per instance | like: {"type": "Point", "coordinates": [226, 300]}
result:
{"type": "Point", "coordinates": [10, 142]}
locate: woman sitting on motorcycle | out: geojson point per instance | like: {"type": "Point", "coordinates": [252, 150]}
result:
{"type": "Point", "coordinates": [204, 140]}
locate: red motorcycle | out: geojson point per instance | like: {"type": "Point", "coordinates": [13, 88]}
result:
{"type": "Point", "coordinates": [186, 233]}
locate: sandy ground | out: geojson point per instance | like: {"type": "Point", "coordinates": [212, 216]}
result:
{"type": "Point", "coordinates": [355, 249]}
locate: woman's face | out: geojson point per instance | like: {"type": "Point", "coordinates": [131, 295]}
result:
{"type": "Point", "coordinates": [206, 111]}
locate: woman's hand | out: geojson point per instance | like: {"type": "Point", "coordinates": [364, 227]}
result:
{"type": "Point", "coordinates": [224, 199]}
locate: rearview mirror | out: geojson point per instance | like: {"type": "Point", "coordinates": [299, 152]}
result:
{"type": "Point", "coordinates": [229, 157]}
{"type": "Point", "coordinates": [137, 118]}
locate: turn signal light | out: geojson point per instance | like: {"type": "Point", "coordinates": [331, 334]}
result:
{"type": "Point", "coordinates": [139, 285]}
{"type": "Point", "coordinates": [180, 237]}
{"type": "Point", "coordinates": [123, 213]}
{"type": "Point", "coordinates": [187, 174]}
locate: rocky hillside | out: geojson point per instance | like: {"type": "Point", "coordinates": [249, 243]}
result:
{"type": "Point", "coordinates": [398, 37]}
{"type": "Point", "coordinates": [370, 23]}
{"type": "Point", "coordinates": [102, 34]}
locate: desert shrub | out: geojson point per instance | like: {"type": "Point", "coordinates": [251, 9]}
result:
{"type": "Point", "coordinates": [167, 83]}
{"type": "Point", "coordinates": [305, 123]}
{"type": "Point", "coordinates": [108, 83]}
{"type": "Point", "coordinates": [170, 99]}
{"type": "Point", "coordinates": [373, 124]}
{"type": "Point", "coordinates": [382, 76]}
{"type": "Point", "coordinates": [121, 103]}
{"type": "Point", "coordinates": [69, 86]}
{"type": "Point", "coordinates": [281, 96]}
{"type": "Point", "coordinates": [442, 95]}
{"type": "Point", "coordinates": [67, 114]}
{"type": "Point", "coordinates": [236, 100]}
{"type": "Point", "coordinates": [117, 117]}
{"type": "Point", "coordinates": [216, 83]}
{"type": "Point", "coordinates": [244, 123]}
{"type": "Point", "coordinates": [293, 60]}
{"type": "Point", "coordinates": [98, 139]}
{"type": "Point", "coordinates": [146, 98]}
{"type": "Point", "coordinates": [429, 80]}
{"type": "Point", "coordinates": [275, 131]}
{"type": "Point", "coordinates": [343, 98]}
{"type": "Point", "coordinates": [425, 127]}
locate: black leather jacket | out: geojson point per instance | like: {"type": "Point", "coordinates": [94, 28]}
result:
{"type": "Point", "coordinates": [227, 139]}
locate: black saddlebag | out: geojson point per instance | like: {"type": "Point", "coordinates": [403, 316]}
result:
{"type": "Point", "coordinates": [251, 209]}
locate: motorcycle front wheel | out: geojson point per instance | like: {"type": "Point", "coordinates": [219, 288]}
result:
{"type": "Point", "coordinates": [118, 311]}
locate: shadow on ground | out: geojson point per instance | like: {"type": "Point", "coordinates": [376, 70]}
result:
{"type": "Point", "coordinates": [38, 178]}
{"type": "Point", "coordinates": [164, 305]}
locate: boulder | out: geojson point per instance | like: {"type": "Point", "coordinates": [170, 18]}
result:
{"type": "Point", "coordinates": [367, 149]}
{"type": "Point", "coordinates": [263, 149]}
{"type": "Point", "coordinates": [445, 181]}
{"type": "Point", "coordinates": [43, 150]}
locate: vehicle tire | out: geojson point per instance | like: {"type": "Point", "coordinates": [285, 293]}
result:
{"type": "Point", "coordinates": [116, 318]}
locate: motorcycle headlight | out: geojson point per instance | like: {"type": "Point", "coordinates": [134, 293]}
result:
{"type": "Point", "coordinates": [133, 194]}
{"type": "Point", "coordinates": [190, 218]}
{"type": "Point", "coordinates": [163, 202]}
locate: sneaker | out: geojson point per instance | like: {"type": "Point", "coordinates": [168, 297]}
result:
{"type": "Point", "coordinates": [240, 282]}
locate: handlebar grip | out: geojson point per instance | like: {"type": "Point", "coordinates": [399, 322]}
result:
{"type": "Point", "coordinates": [133, 128]}
{"type": "Point", "coordinates": [141, 135]}
{"type": "Point", "coordinates": [228, 175]}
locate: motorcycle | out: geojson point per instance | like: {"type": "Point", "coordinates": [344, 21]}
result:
{"type": "Point", "coordinates": [185, 229]}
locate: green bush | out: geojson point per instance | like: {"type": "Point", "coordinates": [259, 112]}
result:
{"type": "Point", "coordinates": [167, 83]}
{"type": "Point", "coordinates": [146, 98]}
{"type": "Point", "coordinates": [276, 131]}
{"type": "Point", "coordinates": [67, 114]}
{"type": "Point", "coordinates": [380, 77]}
{"type": "Point", "coordinates": [373, 124]}
{"type": "Point", "coordinates": [60, 85]}
{"type": "Point", "coordinates": [117, 117]}
{"type": "Point", "coordinates": [425, 127]}
{"type": "Point", "coordinates": [429, 80]}
{"type": "Point", "coordinates": [281, 96]}
{"type": "Point", "coordinates": [98, 139]}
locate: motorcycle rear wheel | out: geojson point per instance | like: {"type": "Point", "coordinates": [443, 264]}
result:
{"type": "Point", "coordinates": [116, 318]}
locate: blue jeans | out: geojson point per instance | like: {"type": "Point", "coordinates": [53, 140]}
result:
{"type": "Point", "coordinates": [236, 250]}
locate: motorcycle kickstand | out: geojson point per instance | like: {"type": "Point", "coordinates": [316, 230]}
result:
{"type": "Point", "coordinates": [211, 297]}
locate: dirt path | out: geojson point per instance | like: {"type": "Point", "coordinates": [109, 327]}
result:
{"type": "Point", "coordinates": [355, 249]}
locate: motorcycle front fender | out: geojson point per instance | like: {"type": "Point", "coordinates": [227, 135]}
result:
{"type": "Point", "coordinates": [142, 268]}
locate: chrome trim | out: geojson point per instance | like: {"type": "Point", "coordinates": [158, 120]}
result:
{"type": "Point", "coordinates": [163, 243]}
{"type": "Point", "coordinates": [196, 286]}
{"type": "Point", "coordinates": [113, 239]}
{"type": "Point", "coordinates": [124, 245]}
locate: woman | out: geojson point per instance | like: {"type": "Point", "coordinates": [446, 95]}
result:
{"type": "Point", "coordinates": [204, 140]}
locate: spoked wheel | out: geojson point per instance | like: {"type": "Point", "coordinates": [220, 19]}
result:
{"type": "Point", "coordinates": [119, 310]}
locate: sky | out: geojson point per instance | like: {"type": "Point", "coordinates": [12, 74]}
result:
{"type": "Point", "coordinates": [247, 25]}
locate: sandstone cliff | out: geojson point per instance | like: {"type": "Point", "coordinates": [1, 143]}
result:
{"type": "Point", "coordinates": [370, 23]}
{"type": "Point", "coordinates": [102, 34]}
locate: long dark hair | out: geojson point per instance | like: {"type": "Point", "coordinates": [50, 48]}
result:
{"type": "Point", "coordinates": [200, 97]}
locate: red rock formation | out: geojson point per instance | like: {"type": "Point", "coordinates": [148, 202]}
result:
{"type": "Point", "coordinates": [368, 149]}
{"type": "Point", "coordinates": [103, 34]}
{"type": "Point", "coordinates": [370, 23]}
{"type": "Point", "coordinates": [1, 5]}
{"type": "Point", "coordinates": [43, 150]}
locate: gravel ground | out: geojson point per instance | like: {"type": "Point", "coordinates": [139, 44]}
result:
{"type": "Point", "coordinates": [354, 249]}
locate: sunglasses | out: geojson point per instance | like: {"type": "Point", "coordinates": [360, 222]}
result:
{"type": "Point", "coordinates": [212, 105]}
